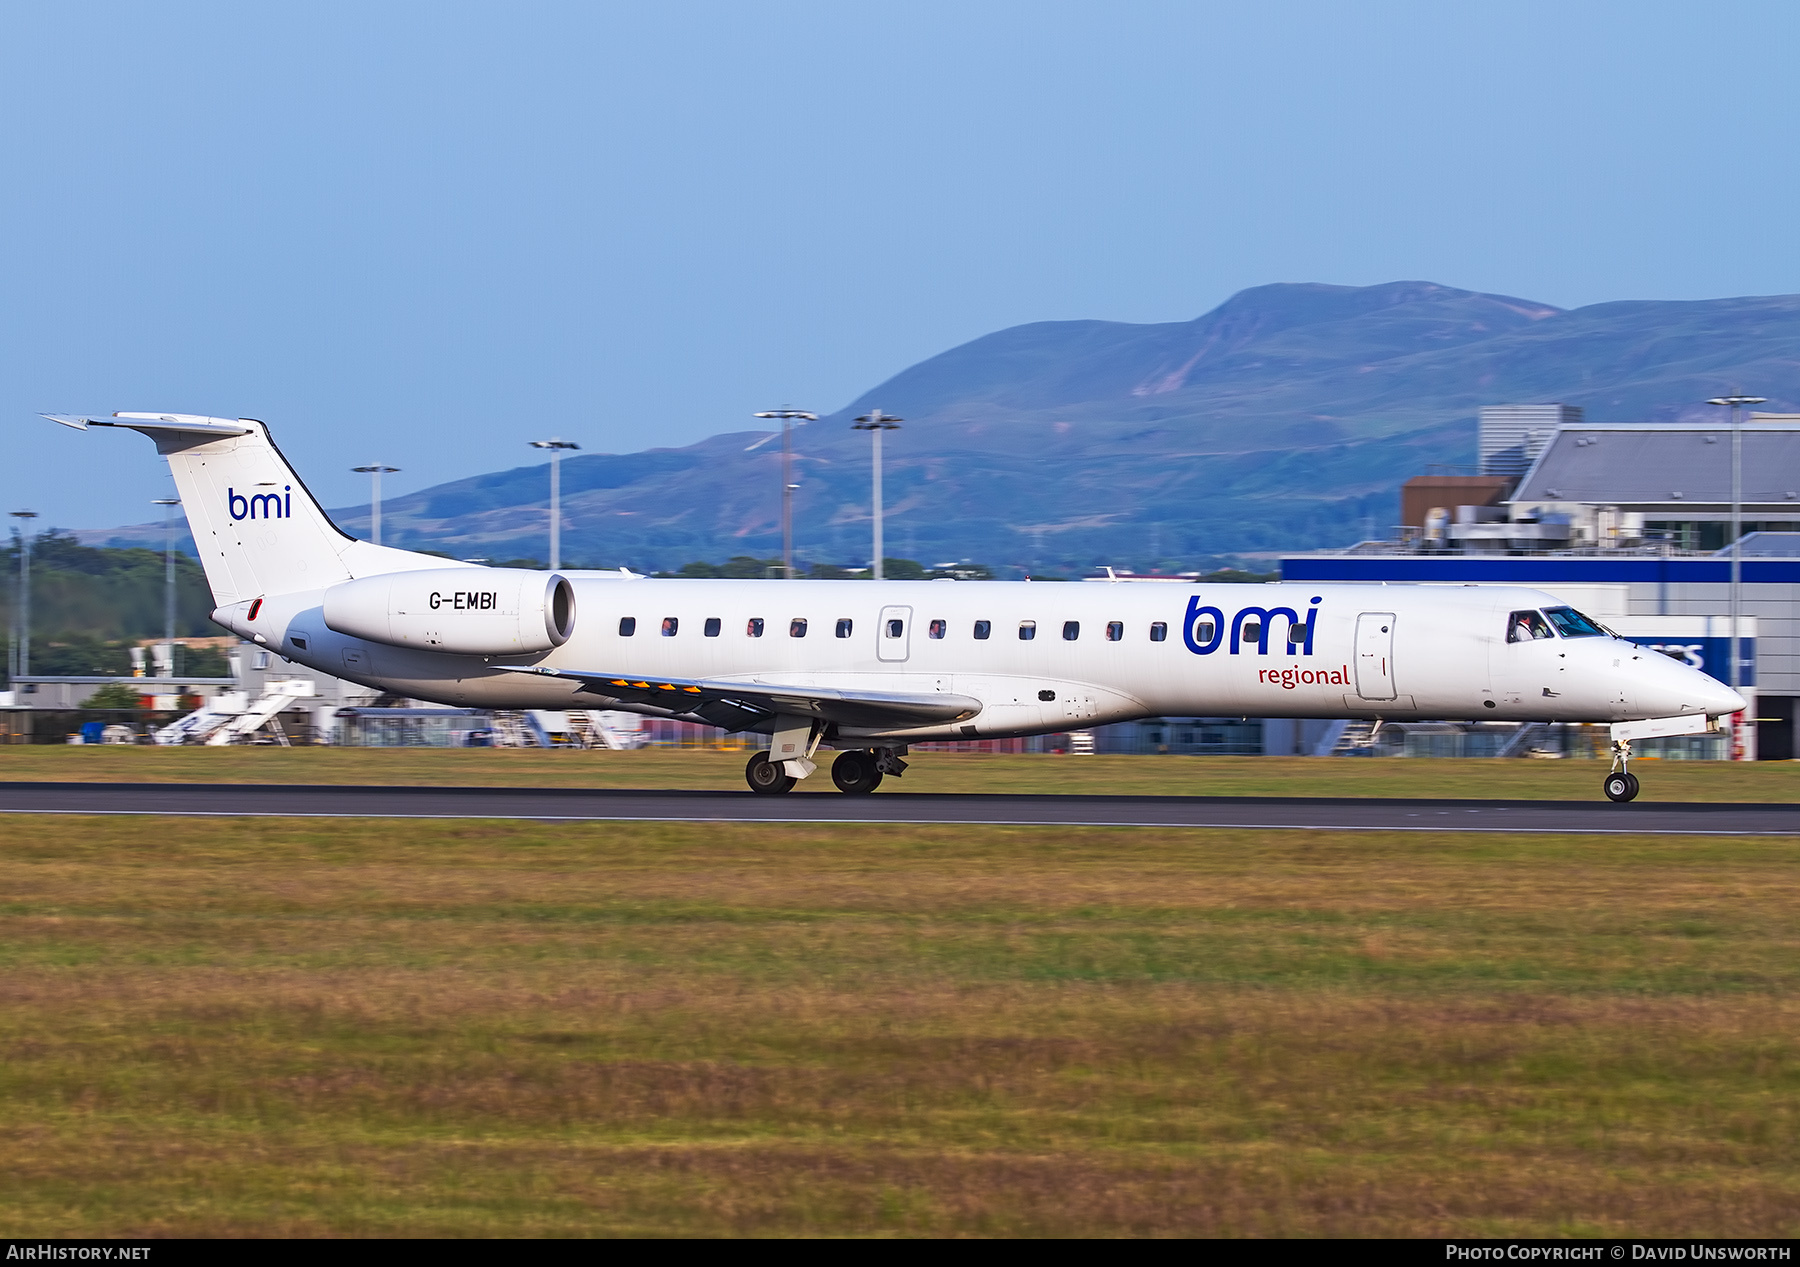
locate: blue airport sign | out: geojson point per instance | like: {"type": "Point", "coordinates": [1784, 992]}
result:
{"type": "Point", "coordinates": [1711, 656]}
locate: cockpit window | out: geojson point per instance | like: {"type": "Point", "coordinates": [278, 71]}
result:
{"type": "Point", "coordinates": [1572, 624]}
{"type": "Point", "coordinates": [1527, 626]}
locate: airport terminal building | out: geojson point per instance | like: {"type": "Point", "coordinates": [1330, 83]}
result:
{"type": "Point", "coordinates": [1630, 523]}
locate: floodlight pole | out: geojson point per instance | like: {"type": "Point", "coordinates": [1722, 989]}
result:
{"type": "Point", "coordinates": [22, 647]}
{"type": "Point", "coordinates": [168, 504]}
{"type": "Point", "coordinates": [788, 418]}
{"type": "Point", "coordinates": [375, 473]}
{"type": "Point", "coordinates": [875, 422]}
{"type": "Point", "coordinates": [556, 447]}
{"type": "Point", "coordinates": [1735, 404]}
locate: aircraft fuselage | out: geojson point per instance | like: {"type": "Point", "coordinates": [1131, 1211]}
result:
{"type": "Point", "coordinates": [1042, 657]}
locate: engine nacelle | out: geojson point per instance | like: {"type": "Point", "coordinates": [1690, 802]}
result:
{"type": "Point", "coordinates": [469, 611]}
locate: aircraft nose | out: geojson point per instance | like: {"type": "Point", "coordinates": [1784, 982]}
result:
{"type": "Point", "coordinates": [1667, 688]}
{"type": "Point", "coordinates": [1688, 691]}
{"type": "Point", "coordinates": [1721, 699]}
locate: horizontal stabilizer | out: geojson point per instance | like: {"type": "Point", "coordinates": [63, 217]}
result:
{"type": "Point", "coordinates": [751, 701]}
{"type": "Point", "coordinates": [150, 424]}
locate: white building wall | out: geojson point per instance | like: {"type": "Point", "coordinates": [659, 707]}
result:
{"type": "Point", "coordinates": [1512, 436]}
{"type": "Point", "coordinates": [1777, 612]}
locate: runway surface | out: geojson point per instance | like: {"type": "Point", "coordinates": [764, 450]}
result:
{"type": "Point", "coordinates": [583, 805]}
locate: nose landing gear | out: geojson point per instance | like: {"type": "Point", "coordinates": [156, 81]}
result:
{"type": "Point", "coordinates": [1621, 785]}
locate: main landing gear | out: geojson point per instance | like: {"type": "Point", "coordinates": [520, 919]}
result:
{"type": "Point", "coordinates": [1621, 784]}
{"type": "Point", "coordinates": [856, 772]}
{"type": "Point", "coordinates": [766, 778]}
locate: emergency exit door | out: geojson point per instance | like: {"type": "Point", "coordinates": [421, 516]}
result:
{"type": "Point", "coordinates": [1375, 655]}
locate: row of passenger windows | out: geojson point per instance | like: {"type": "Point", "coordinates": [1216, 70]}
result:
{"type": "Point", "coordinates": [894, 628]}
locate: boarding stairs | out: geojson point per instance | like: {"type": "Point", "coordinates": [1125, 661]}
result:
{"type": "Point", "coordinates": [514, 729]}
{"type": "Point", "coordinates": [1326, 744]}
{"type": "Point", "coordinates": [276, 699]}
{"type": "Point", "coordinates": [585, 730]}
{"type": "Point", "coordinates": [203, 721]}
{"type": "Point", "coordinates": [1519, 745]}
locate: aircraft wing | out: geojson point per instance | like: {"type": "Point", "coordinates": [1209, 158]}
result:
{"type": "Point", "coordinates": [739, 705]}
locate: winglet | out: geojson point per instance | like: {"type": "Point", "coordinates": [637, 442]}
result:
{"type": "Point", "coordinates": [77, 421]}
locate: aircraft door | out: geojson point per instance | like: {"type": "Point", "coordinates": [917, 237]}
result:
{"type": "Point", "coordinates": [893, 634]}
{"type": "Point", "coordinates": [1375, 655]}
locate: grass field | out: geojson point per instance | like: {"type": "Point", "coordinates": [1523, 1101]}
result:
{"type": "Point", "coordinates": [931, 772]}
{"type": "Point", "coordinates": [279, 1027]}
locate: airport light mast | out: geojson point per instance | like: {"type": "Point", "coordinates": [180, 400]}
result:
{"type": "Point", "coordinates": [168, 504]}
{"type": "Point", "coordinates": [556, 447]}
{"type": "Point", "coordinates": [1736, 404]}
{"type": "Point", "coordinates": [375, 473]}
{"type": "Point", "coordinates": [22, 644]}
{"type": "Point", "coordinates": [788, 418]}
{"type": "Point", "coordinates": [875, 422]}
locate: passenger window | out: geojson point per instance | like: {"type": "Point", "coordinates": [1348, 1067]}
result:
{"type": "Point", "coordinates": [982, 629]}
{"type": "Point", "coordinates": [1071, 630]}
{"type": "Point", "coordinates": [1203, 632]}
{"type": "Point", "coordinates": [797, 627]}
{"type": "Point", "coordinates": [937, 628]}
{"type": "Point", "coordinates": [670, 626]}
{"type": "Point", "coordinates": [1027, 630]}
{"type": "Point", "coordinates": [895, 628]}
{"type": "Point", "coordinates": [1296, 635]}
{"type": "Point", "coordinates": [1159, 631]}
{"type": "Point", "coordinates": [1572, 624]}
{"type": "Point", "coordinates": [1527, 627]}
{"type": "Point", "coordinates": [1115, 630]}
{"type": "Point", "coordinates": [755, 628]}
{"type": "Point", "coordinates": [843, 628]}
{"type": "Point", "coordinates": [627, 626]}
{"type": "Point", "coordinates": [712, 627]}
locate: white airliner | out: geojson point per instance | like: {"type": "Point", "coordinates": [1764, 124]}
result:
{"type": "Point", "coordinates": [868, 668]}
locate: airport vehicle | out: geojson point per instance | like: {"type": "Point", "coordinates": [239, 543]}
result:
{"type": "Point", "coordinates": [868, 668]}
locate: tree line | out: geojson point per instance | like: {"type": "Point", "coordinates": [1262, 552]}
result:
{"type": "Point", "coordinates": [91, 604]}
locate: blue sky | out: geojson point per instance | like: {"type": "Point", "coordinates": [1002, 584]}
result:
{"type": "Point", "coordinates": [428, 233]}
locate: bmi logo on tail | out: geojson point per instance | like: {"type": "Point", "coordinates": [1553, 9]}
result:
{"type": "Point", "coordinates": [270, 505]}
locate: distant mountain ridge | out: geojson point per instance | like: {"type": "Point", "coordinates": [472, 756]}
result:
{"type": "Point", "coordinates": [1285, 418]}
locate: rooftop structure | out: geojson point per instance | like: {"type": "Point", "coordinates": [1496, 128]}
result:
{"type": "Point", "coordinates": [1655, 488]}
{"type": "Point", "coordinates": [1512, 436]}
{"type": "Point", "coordinates": [1669, 468]}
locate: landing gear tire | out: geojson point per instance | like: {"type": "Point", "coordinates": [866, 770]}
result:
{"type": "Point", "coordinates": [767, 778]}
{"type": "Point", "coordinates": [855, 772]}
{"type": "Point", "coordinates": [1621, 787]}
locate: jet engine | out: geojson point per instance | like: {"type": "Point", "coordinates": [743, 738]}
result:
{"type": "Point", "coordinates": [468, 611]}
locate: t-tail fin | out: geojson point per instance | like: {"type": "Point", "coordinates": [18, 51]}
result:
{"type": "Point", "coordinates": [257, 529]}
